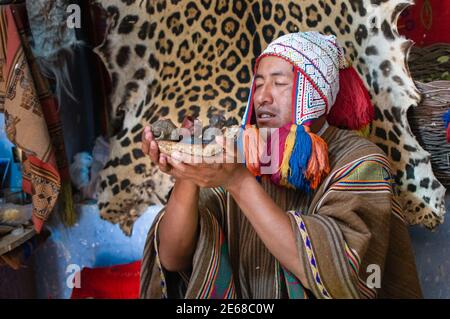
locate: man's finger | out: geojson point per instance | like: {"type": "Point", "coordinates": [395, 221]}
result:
{"type": "Point", "coordinates": [182, 169]}
{"type": "Point", "coordinates": [147, 129]}
{"type": "Point", "coordinates": [154, 152]}
{"type": "Point", "coordinates": [213, 161]}
{"type": "Point", "coordinates": [177, 164]}
{"type": "Point", "coordinates": [145, 147]}
{"type": "Point", "coordinates": [198, 161]}
{"type": "Point", "coordinates": [145, 144]}
{"type": "Point", "coordinates": [185, 158]}
{"type": "Point", "coordinates": [147, 134]}
{"type": "Point", "coordinates": [173, 167]}
{"type": "Point", "coordinates": [229, 154]}
{"type": "Point", "coordinates": [164, 165]}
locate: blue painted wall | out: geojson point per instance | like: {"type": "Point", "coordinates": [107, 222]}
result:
{"type": "Point", "coordinates": [14, 178]}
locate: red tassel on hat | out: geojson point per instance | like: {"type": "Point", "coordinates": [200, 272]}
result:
{"type": "Point", "coordinates": [353, 109]}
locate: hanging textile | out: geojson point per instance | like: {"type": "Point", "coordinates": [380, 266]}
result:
{"type": "Point", "coordinates": [32, 120]}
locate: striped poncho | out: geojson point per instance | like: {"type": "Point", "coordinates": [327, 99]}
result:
{"type": "Point", "coordinates": [350, 234]}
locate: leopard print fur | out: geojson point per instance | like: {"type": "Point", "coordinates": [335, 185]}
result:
{"type": "Point", "coordinates": [170, 58]}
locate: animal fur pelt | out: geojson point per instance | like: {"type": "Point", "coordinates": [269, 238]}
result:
{"type": "Point", "coordinates": [168, 58]}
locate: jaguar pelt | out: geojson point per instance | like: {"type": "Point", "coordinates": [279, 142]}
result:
{"type": "Point", "coordinates": [171, 58]}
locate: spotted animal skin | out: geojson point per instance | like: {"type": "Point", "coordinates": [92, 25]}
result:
{"type": "Point", "coordinates": [170, 58]}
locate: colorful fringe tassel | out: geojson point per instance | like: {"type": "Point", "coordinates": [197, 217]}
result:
{"type": "Point", "coordinates": [318, 164]}
{"type": "Point", "coordinates": [283, 133]}
{"type": "Point", "coordinates": [304, 157]}
{"type": "Point", "coordinates": [250, 145]}
{"type": "Point", "coordinates": [297, 151]}
{"type": "Point", "coordinates": [447, 124]}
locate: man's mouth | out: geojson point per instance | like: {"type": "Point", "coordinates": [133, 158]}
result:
{"type": "Point", "coordinates": [262, 115]}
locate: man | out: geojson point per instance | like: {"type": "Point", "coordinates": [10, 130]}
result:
{"type": "Point", "coordinates": [326, 224]}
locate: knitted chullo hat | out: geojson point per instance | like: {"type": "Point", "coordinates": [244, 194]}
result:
{"type": "Point", "coordinates": [323, 84]}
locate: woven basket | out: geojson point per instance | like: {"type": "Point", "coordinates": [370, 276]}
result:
{"type": "Point", "coordinates": [430, 68]}
{"type": "Point", "coordinates": [428, 126]}
{"type": "Point", "coordinates": [430, 63]}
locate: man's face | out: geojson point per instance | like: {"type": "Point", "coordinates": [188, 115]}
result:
{"type": "Point", "coordinates": [274, 80]}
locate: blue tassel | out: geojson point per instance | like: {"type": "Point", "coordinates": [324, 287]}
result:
{"type": "Point", "coordinates": [446, 118]}
{"type": "Point", "coordinates": [240, 145]}
{"type": "Point", "coordinates": [298, 161]}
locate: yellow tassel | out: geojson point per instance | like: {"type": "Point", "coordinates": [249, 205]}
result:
{"type": "Point", "coordinates": [288, 147]}
{"type": "Point", "coordinates": [66, 200]}
{"type": "Point", "coordinates": [365, 131]}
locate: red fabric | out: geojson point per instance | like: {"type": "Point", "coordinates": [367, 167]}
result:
{"type": "Point", "coordinates": [353, 108]}
{"type": "Point", "coordinates": [116, 282]}
{"type": "Point", "coordinates": [427, 22]}
{"type": "Point", "coordinates": [448, 133]}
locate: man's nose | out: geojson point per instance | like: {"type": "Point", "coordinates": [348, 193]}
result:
{"type": "Point", "coordinates": [264, 95]}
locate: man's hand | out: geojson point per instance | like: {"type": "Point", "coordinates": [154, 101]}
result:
{"type": "Point", "coordinates": [150, 148]}
{"type": "Point", "coordinates": [220, 170]}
